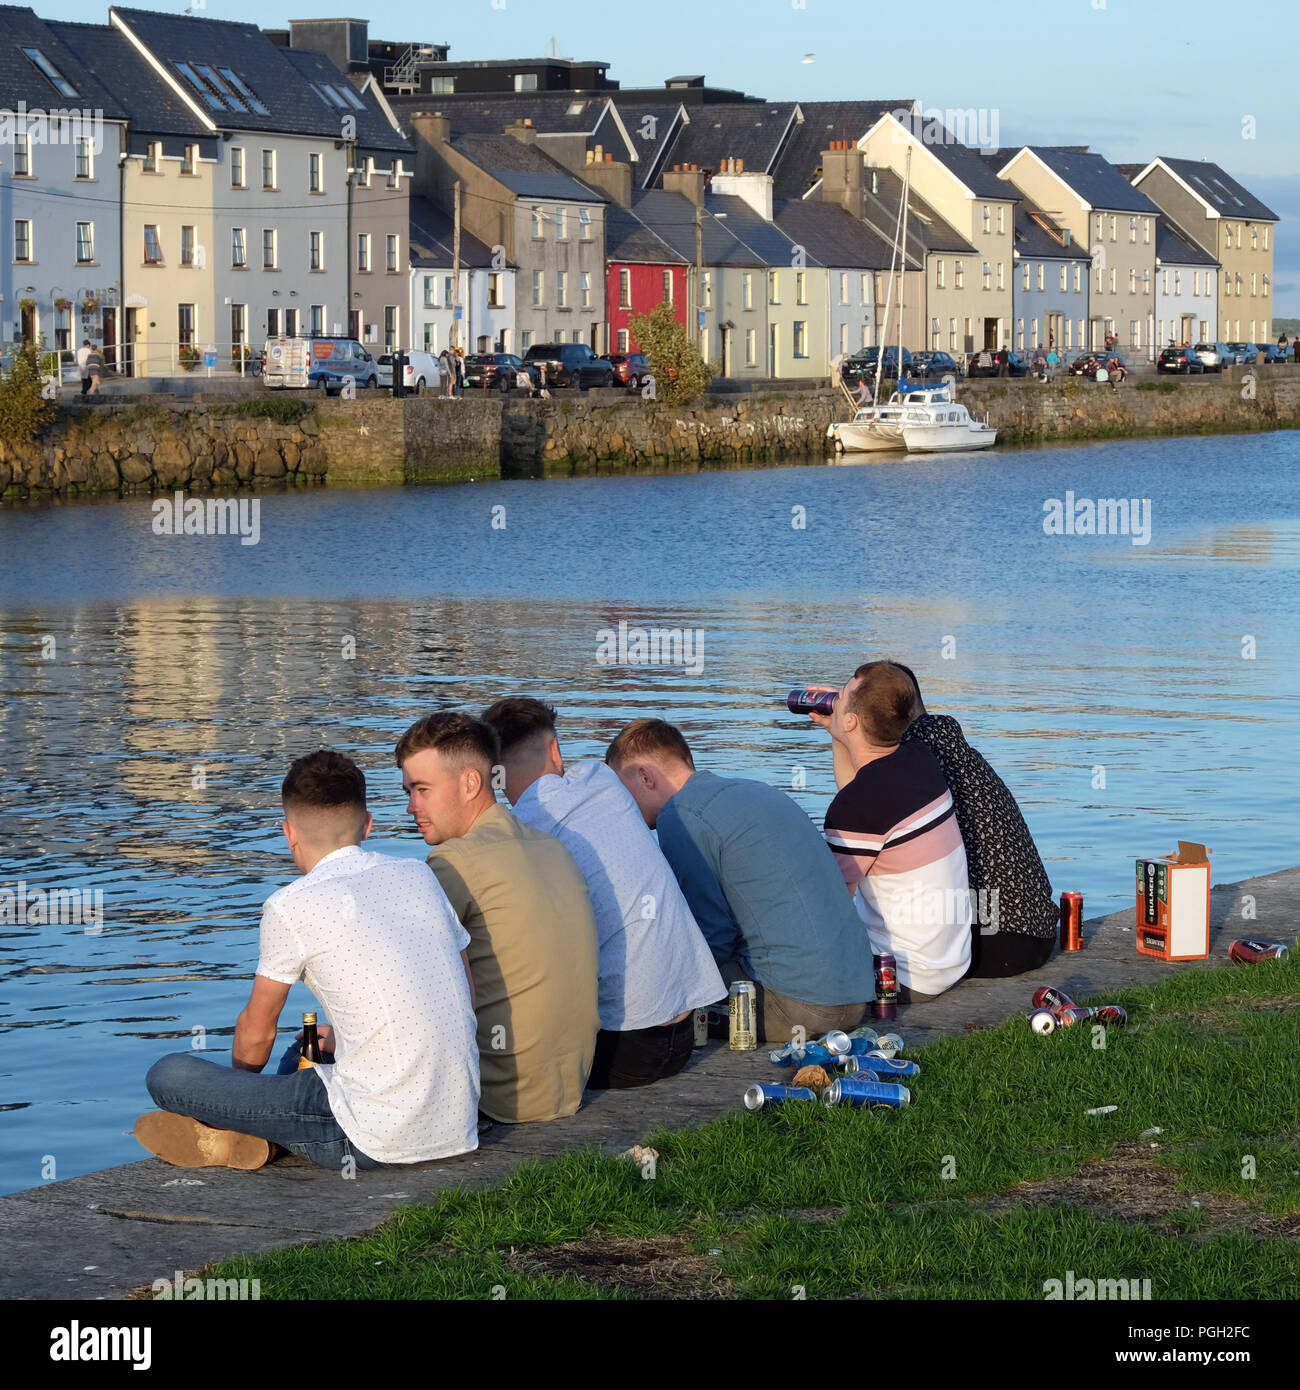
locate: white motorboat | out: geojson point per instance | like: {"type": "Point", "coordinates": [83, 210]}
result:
{"type": "Point", "coordinates": [942, 426]}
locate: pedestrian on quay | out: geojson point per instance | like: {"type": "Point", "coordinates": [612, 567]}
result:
{"type": "Point", "coordinates": [444, 366]}
{"type": "Point", "coordinates": [1053, 360]}
{"type": "Point", "coordinates": [94, 366]}
{"type": "Point", "coordinates": [1004, 362]}
{"type": "Point", "coordinates": [83, 357]}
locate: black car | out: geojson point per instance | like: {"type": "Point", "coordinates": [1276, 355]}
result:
{"type": "Point", "coordinates": [570, 364]}
{"type": "Point", "coordinates": [1183, 360]}
{"type": "Point", "coordinates": [630, 368]}
{"type": "Point", "coordinates": [862, 365]}
{"type": "Point", "coordinates": [1087, 363]}
{"type": "Point", "coordinates": [485, 371]}
{"type": "Point", "coordinates": [985, 363]}
{"type": "Point", "coordinates": [931, 366]}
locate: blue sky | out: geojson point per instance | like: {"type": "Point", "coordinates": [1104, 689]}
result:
{"type": "Point", "coordinates": [1130, 78]}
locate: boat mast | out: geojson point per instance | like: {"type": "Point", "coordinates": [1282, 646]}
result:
{"type": "Point", "coordinates": [889, 299]}
{"type": "Point", "coordinates": [902, 279]}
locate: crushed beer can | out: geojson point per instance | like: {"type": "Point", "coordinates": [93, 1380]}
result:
{"type": "Point", "coordinates": [1042, 1021]}
{"type": "Point", "coordinates": [759, 1095]}
{"type": "Point", "coordinates": [849, 1090]}
{"type": "Point", "coordinates": [794, 1054]}
{"type": "Point", "coordinates": [1111, 1015]}
{"type": "Point", "coordinates": [1248, 951]}
{"type": "Point", "coordinates": [859, 1066]}
{"type": "Point", "coordinates": [1071, 1014]}
{"type": "Point", "coordinates": [1049, 997]}
{"type": "Point", "coordinates": [886, 1068]}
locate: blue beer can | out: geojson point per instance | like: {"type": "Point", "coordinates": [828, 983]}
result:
{"type": "Point", "coordinates": [886, 1068]}
{"type": "Point", "coordinates": [807, 1054]}
{"type": "Point", "coordinates": [759, 1095]}
{"type": "Point", "coordinates": [861, 1067]}
{"type": "Point", "coordinates": [849, 1090]}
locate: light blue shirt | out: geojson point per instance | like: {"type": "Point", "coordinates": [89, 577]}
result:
{"type": "Point", "coordinates": [654, 963]}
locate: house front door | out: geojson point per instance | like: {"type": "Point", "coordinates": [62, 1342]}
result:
{"type": "Point", "coordinates": [108, 336]}
{"type": "Point", "coordinates": [28, 328]}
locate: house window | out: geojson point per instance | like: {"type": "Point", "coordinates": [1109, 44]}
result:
{"type": "Point", "coordinates": [429, 301]}
{"type": "Point", "coordinates": [525, 82]}
{"type": "Point", "coordinates": [1146, 229]}
{"type": "Point", "coordinates": [1101, 222]}
{"type": "Point", "coordinates": [957, 273]}
{"type": "Point", "coordinates": [390, 325]}
{"type": "Point", "coordinates": [844, 337]}
{"type": "Point", "coordinates": [1227, 231]}
{"type": "Point", "coordinates": [153, 153]}
{"type": "Point", "coordinates": [939, 273]}
{"type": "Point", "coordinates": [237, 167]}
{"type": "Point", "coordinates": [562, 289]}
{"type": "Point", "coordinates": [584, 224]}
{"type": "Point", "coordinates": [800, 338]}
{"type": "Point", "coordinates": [85, 243]}
{"type": "Point", "coordinates": [1002, 221]}
{"type": "Point", "coordinates": [23, 156]}
{"type": "Point", "coordinates": [185, 325]}
{"type": "Point", "coordinates": [273, 323]}
{"type": "Point", "coordinates": [22, 239]}
{"type": "Point", "coordinates": [291, 323]}
{"type": "Point", "coordinates": [363, 173]}
{"type": "Point", "coordinates": [1134, 333]}
{"type": "Point", "coordinates": [988, 276]}
{"type": "Point", "coordinates": [1265, 238]}
{"type": "Point", "coordinates": [1196, 282]}
{"type": "Point", "coordinates": [751, 347]}
{"type": "Point", "coordinates": [316, 319]}
{"type": "Point", "coordinates": [844, 287]}
{"type": "Point", "coordinates": [622, 340]}
{"type": "Point", "coordinates": [624, 289]}
{"type": "Point", "coordinates": [269, 249]}
{"type": "Point", "coordinates": [1020, 335]}
{"type": "Point", "coordinates": [84, 156]}
{"type": "Point", "coordinates": [238, 248]}
{"type": "Point", "coordinates": [706, 286]}
{"type": "Point", "coordinates": [801, 287]}
{"type": "Point", "coordinates": [584, 288]}
{"type": "Point", "coordinates": [317, 251]}
{"type": "Point", "coordinates": [363, 251]}
{"type": "Point", "coordinates": [1002, 277]}
{"type": "Point", "coordinates": [1042, 273]}
{"type": "Point", "coordinates": [152, 246]}
{"type": "Point", "coordinates": [773, 288]}
{"type": "Point", "coordinates": [1065, 277]}
{"type": "Point", "coordinates": [431, 337]}
{"type": "Point", "coordinates": [747, 289]}
{"type": "Point", "coordinates": [187, 160]}
{"type": "Point", "coordinates": [391, 249]}
{"type": "Point", "coordinates": [561, 224]}
{"type": "Point", "coordinates": [442, 86]}
{"type": "Point", "coordinates": [1253, 289]}
{"type": "Point", "coordinates": [187, 245]}
{"type": "Point", "coordinates": [1132, 281]}
{"type": "Point", "coordinates": [952, 335]}
{"type": "Point", "coordinates": [1114, 281]}
{"type": "Point", "coordinates": [1024, 279]}
{"type": "Point", "coordinates": [1132, 229]}
{"type": "Point", "coordinates": [238, 318]}
{"type": "Point", "coordinates": [314, 174]}
{"type": "Point", "coordinates": [1114, 226]}
{"type": "Point", "coordinates": [1164, 282]}
{"type": "Point", "coordinates": [668, 286]}
{"type": "Point", "coordinates": [268, 168]}
{"type": "Point", "coordinates": [448, 291]}
{"type": "Point", "coordinates": [537, 224]}
{"type": "Point", "coordinates": [496, 290]}
{"type": "Point", "coordinates": [539, 289]}
{"type": "Point", "coordinates": [525, 339]}
{"type": "Point", "coordinates": [865, 288]}
{"type": "Point", "coordinates": [988, 223]}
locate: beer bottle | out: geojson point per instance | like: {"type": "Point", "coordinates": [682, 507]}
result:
{"type": "Point", "coordinates": [311, 1053]}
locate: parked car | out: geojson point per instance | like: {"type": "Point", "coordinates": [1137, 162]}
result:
{"type": "Point", "coordinates": [1211, 355]}
{"type": "Point", "coordinates": [1234, 354]}
{"type": "Point", "coordinates": [630, 369]}
{"type": "Point", "coordinates": [1273, 353]}
{"type": "Point", "coordinates": [570, 364]}
{"type": "Point", "coordinates": [929, 366]}
{"type": "Point", "coordinates": [486, 371]}
{"type": "Point", "coordinates": [1087, 364]}
{"type": "Point", "coordinates": [985, 363]}
{"type": "Point", "coordinates": [1246, 353]}
{"type": "Point", "coordinates": [1183, 360]}
{"type": "Point", "coordinates": [325, 363]}
{"type": "Point", "coordinates": [422, 371]}
{"type": "Point", "coordinates": [862, 365]}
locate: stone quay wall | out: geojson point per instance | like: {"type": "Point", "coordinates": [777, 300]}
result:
{"type": "Point", "coordinates": [158, 447]}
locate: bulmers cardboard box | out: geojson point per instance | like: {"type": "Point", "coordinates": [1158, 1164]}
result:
{"type": "Point", "coordinates": [1173, 904]}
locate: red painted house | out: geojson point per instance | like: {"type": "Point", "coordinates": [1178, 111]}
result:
{"type": "Point", "coordinates": [642, 270]}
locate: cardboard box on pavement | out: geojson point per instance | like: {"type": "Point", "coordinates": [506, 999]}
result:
{"type": "Point", "coordinates": [1173, 904]}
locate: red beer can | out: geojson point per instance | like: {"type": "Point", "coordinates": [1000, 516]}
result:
{"type": "Point", "coordinates": [1072, 1014]}
{"type": "Point", "coordinates": [886, 988]}
{"type": "Point", "coordinates": [1072, 921]}
{"type": "Point", "coordinates": [1111, 1014]}
{"type": "Point", "coordinates": [1049, 997]}
{"type": "Point", "coordinates": [1250, 952]}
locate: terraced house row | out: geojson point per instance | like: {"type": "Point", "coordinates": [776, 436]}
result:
{"type": "Point", "coordinates": [172, 185]}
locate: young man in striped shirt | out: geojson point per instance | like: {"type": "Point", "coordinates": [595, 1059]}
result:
{"type": "Point", "coordinates": [894, 833]}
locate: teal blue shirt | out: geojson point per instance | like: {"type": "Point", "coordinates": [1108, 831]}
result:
{"type": "Point", "coordinates": [766, 890]}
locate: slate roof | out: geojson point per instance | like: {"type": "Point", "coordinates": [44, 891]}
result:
{"type": "Point", "coordinates": [1097, 181]}
{"type": "Point", "coordinates": [432, 241]}
{"type": "Point", "coordinates": [926, 230]}
{"type": "Point", "coordinates": [751, 131]}
{"type": "Point", "coordinates": [524, 169]}
{"type": "Point", "coordinates": [1130, 171]}
{"type": "Point", "coordinates": [550, 113]}
{"type": "Point", "coordinates": [1035, 243]}
{"type": "Point", "coordinates": [627, 238]}
{"type": "Point", "coordinates": [22, 81]}
{"type": "Point", "coordinates": [1173, 248]}
{"type": "Point", "coordinates": [823, 121]}
{"type": "Point", "coordinates": [1220, 189]}
{"type": "Point", "coordinates": [650, 151]}
{"type": "Point", "coordinates": [966, 164]}
{"type": "Point", "coordinates": [765, 239]}
{"type": "Point", "coordinates": [374, 130]}
{"type": "Point", "coordinates": [672, 217]}
{"type": "Point", "coordinates": [835, 237]}
{"type": "Point", "coordinates": [292, 106]}
{"type": "Point", "coordinates": [149, 103]}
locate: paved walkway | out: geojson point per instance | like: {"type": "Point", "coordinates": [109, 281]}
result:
{"type": "Point", "coordinates": [103, 1234]}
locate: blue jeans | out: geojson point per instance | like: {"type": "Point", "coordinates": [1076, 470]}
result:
{"type": "Point", "coordinates": [291, 1108]}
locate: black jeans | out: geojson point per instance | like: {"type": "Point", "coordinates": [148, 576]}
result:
{"type": "Point", "coordinates": [1001, 954]}
{"type": "Point", "coordinates": [640, 1056]}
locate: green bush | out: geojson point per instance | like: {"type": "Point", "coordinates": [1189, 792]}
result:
{"type": "Point", "coordinates": [24, 411]}
{"type": "Point", "coordinates": [280, 410]}
{"type": "Point", "coordinates": [680, 373]}
{"type": "Point", "coordinates": [1164, 387]}
{"type": "Point", "coordinates": [189, 358]}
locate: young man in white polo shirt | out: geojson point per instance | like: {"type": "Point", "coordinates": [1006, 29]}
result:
{"type": "Point", "coordinates": [377, 943]}
{"type": "Point", "coordinates": [656, 968]}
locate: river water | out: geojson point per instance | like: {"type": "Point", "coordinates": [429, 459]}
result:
{"type": "Point", "coordinates": [154, 688]}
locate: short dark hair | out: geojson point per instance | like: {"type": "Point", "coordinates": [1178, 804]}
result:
{"type": "Point", "coordinates": [644, 738]}
{"type": "Point", "coordinates": [323, 780]}
{"type": "Point", "coordinates": [452, 733]}
{"type": "Point", "coordinates": [518, 718]}
{"type": "Point", "coordinates": [884, 699]}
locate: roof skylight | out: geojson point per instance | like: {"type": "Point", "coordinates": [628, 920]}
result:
{"type": "Point", "coordinates": [201, 87]}
{"type": "Point", "coordinates": [242, 88]}
{"type": "Point", "coordinates": [47, 69]}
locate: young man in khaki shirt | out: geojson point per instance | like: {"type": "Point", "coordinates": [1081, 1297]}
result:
{"type": "Point", "coordinates": [523, 900]}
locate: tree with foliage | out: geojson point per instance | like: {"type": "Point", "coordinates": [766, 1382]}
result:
{"type": "Point", "coordinates": [24, 411]}
{"type": "Point", "coordinates": [675, 363]}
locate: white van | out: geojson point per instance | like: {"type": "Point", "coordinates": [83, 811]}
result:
{"type": "Point", "coordinates": [323, 363]}
{"type": "Point", "coordinates": [422, 371]}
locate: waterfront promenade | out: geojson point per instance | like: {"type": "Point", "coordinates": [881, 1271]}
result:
{"type": "Point", "coordinates": [107, 1233]}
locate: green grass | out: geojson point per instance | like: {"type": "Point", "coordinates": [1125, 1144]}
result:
{"type": "Point", "coordinates": [843, 1201]}
{"type": "Point", "coordinates": [282, 410]}
{"type": "Point", "coordinates": [1165, 388]}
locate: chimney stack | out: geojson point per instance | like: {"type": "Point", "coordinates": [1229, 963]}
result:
{"type": "Point", "coordinates": [688, 180]}
{"type": "Point", "coordinates": [523, 131]}
{"type": "Point", "coordinates": [842, 176]}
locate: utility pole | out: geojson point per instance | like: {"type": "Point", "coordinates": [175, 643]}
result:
{"type": "Point", "coordinates": [700, 329]}
{"type": "Point", "coordinates": [455, 269]}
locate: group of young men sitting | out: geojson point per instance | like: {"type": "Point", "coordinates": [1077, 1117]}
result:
{"type": "Point", "coordinates": [558, 946]}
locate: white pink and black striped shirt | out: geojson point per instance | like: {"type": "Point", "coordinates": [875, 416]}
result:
{"type": "Point", "coordinates": [893, 830]}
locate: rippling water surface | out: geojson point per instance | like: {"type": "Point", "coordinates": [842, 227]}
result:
{"type": "Point", "coordinates": [154, 689]}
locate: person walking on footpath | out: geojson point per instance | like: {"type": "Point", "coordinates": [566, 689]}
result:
{"type": "Point", "coordinates": [94, 365]}
{"type": "Point", "coordinates": [83, 359]}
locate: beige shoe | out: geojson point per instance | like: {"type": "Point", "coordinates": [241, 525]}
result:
{"type": "Point", "coordinates": [185, 1142]}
